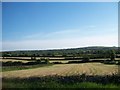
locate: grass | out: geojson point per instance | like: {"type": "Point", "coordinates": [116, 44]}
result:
{"type": "Point", "coordinates": [58, 85]}
{"type": "Point", "coordinates": [22, 67]}
{"type": "Point", "coordinates": [63, 82]}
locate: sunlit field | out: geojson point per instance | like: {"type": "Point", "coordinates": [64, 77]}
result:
{"type": "Point", "coordinates": [64, 70]}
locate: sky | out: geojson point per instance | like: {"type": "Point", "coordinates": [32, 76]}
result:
{"type": "Point", "coordinates": [56, 25]}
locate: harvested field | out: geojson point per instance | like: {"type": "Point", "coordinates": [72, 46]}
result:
{"type": "Point", "coordinates": [29, 58]}
{"type": "Point", "coordinates": [64, 69]}
{"type": "Point", "coordinates": [25, 61]}
{"type": "Point", "coordinates": [13, 60]}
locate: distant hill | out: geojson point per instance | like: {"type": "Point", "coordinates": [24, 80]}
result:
{"type": "Point", "coordinates": [62, 52]}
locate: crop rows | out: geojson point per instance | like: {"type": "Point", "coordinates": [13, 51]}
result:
{"type": "Point", "coordinates": [65, 69]}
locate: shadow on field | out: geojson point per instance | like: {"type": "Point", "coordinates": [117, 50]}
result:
{"type": "Point", "coordinates": [59, 81]}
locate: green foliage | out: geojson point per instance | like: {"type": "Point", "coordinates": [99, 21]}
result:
{"type": "Point", "coordinates": [33, 57]}
{"type": "Point", "coordinates": [86, 58]}
{"type": "Point", "coordinates": [54, 84]}
{"type": "Point", "coordinates": [75, 62]}
{"type": "Point", "coordinates": [118, 63]}
{"type": "Point", "coordinates": [20, 63]}
{"type": "Point", "coordinates": [39, 60]}
{"type": "Point", "coordinates": [112, 55]}
{"type": "Point", "coordinates": [100, 52]}
{"type": "Point", "coordinates": [47, 61]}
{"type": "Point", "coordinates": [57, 62]}
{"type": "Point", "coordinates": [63, 82]}
{"type": "Point", "coordinates": [109, 62]}
{"type": "Point", "coordinates": [12, 68]}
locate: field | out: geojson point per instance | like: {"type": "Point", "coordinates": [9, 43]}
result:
{"type": "Point", "coordinates": [64, 69]}
{"type": "Point", "coordinates": [65, 75]}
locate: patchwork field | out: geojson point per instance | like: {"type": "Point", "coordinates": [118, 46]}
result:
{"type": "Point", "coordinates": [64, 70]}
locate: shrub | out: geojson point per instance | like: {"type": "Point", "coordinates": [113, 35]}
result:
{"type": "Point", "coordinates": [46, 61]}
{"type": "Point", "coordinates": [57, 62]}
{"type": "Point", "coordinates": [33, 58]}
{"type": "Point", "coordinates": [10, 63]}
{"type": "Point", "coordinates": [86, 59]}
{"type": "Point", "coordinates": [75, 62]}
{"type": "Point", "coordinates": [17, 63]}
{"type": "Point", "coordinates": [109, 62]}
{"type": "Point", "coordinates": [38, 61]}
{"type": "Point", "coordinates": [30, 63]}
{"type": "Point", "coordinates": [118, 63]}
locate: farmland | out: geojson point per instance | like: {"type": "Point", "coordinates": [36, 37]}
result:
{"type": "Point", "coordinates": [83, 75]}
{"type": "Point", "coordinates": [90, 70]}
{"type": "Point", "coordinates": [64, 70]}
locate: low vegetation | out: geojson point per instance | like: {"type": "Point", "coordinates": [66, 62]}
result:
{"type": "Point", "coordinates": [78, 81]}
{"type": "Point", "coordinates": [20, 63]}
{"type": "Point", "coordinates": [23, 67]}
{"type": "Point", "coordinates": [91, 67]}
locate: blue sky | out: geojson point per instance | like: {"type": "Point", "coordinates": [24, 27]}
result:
{"type": "Point", "coordinates": [55, 25]}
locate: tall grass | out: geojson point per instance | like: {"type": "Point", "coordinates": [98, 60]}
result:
{"type": "Point", "coordinates": [79, 81]}
{"type": "Point", "coordinates": [54, 84]}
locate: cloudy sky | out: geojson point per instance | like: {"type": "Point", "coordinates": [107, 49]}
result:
{"type": "Point", "coordinates": [53, 25]}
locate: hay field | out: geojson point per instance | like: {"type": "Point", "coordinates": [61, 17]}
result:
{"type": "Point", "coordinates": [63, 70]}
{"type": "Point", "coordinates": [13, 60]}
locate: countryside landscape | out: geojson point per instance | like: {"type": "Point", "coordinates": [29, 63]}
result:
{"type": "Point", "coordinates": [47, 45]}
{"type": "Point", "coordinates": [61, 68]}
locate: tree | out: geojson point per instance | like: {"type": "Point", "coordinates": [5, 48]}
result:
{"type": "Point", "coordinates": [86, 58]}
{"type": "Point", "coordinates": [47, 61]}
{"type": "Point", "coordinates": [112, 55]}
{"type": "Point", "coordinates": [33, 57]}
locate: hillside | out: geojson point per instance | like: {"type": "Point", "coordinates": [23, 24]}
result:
{"type": "Point", "coordinates": [62, 52]}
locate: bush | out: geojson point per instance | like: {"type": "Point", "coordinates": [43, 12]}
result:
{"type": "Point", "coordinates": [57, 63]}
{"type": "Point", "coordinates": [75, 81]}
{"type": "Point", "coordinates": [86, 59]}
{"type": "Point", "coordinates": [46, 61]}
{"type": "Point", "coordinates": [17, 63]}
{"type": "Point", "coordinates": [30, 63]}
{"type": "Point", "coordinates": [75, 61]}
{"type": "Point", "coordinates": [33, 57]}
{"type": "Point", "coordinates": [109, 62]}
{"type": "Point", "coordinates": [10, 63]}
{"type": "Point", "coordinates": [118, 63]}
{"type": "Point", "coordinates": [69, 58]}
{"type": "Point", "coordinates": [38, 61]}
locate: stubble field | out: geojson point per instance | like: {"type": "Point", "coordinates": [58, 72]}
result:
{"type": "Point", "coordinates": [64, 70]}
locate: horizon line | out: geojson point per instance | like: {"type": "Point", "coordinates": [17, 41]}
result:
{"type": "Point", "coordinates": [55, 48]}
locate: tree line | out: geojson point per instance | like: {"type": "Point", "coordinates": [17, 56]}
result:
{"type": "Point", "coordinates": [91, 52]}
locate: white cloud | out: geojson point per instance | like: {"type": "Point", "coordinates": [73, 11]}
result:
{"type": "Point", "coordinates": [90, 30]}
{"type": "Point", "coordinates": [107, 40]}
{"type": "Point", "coordinates": [55, 34]}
